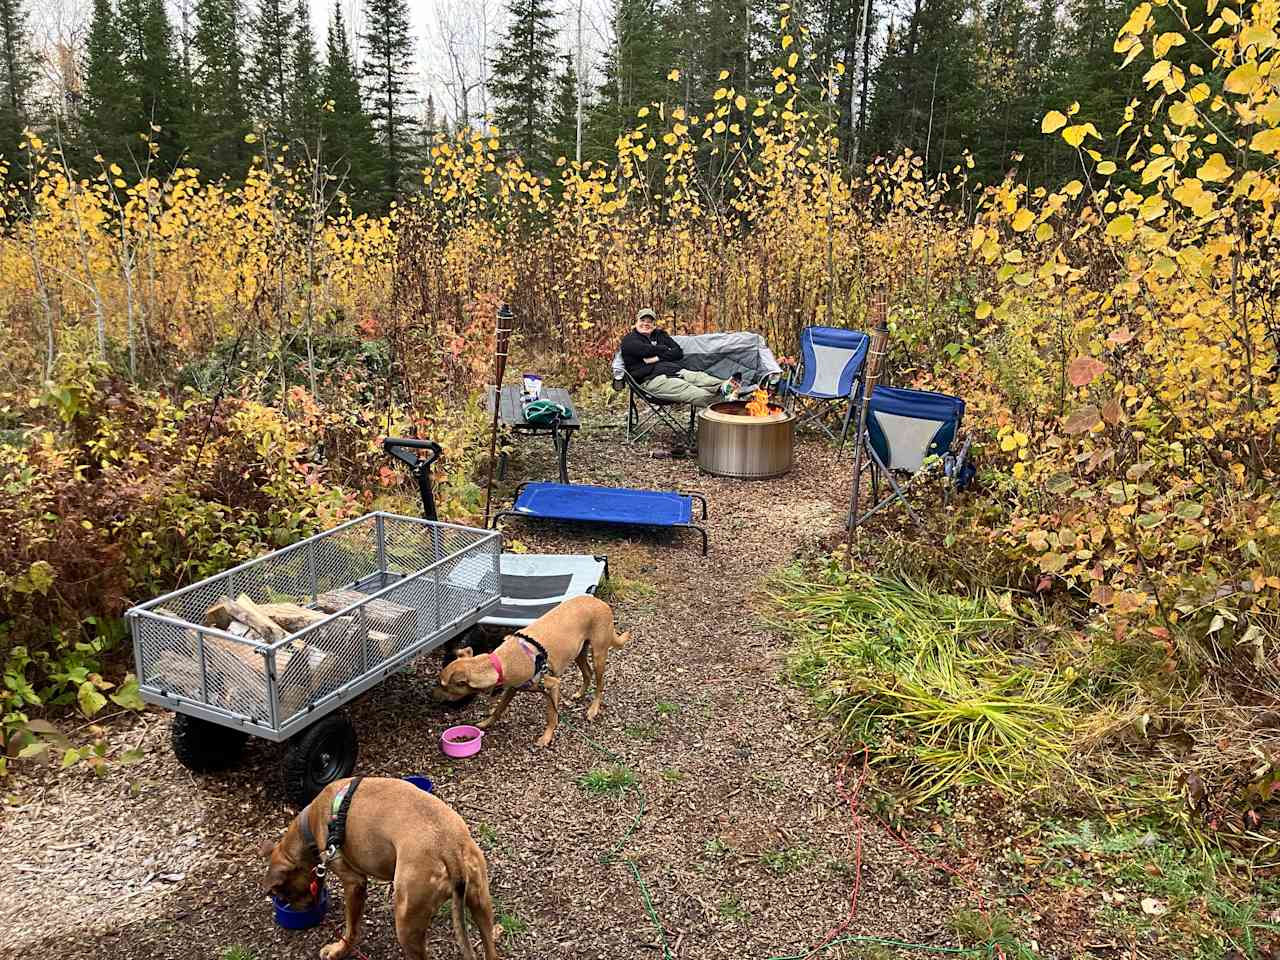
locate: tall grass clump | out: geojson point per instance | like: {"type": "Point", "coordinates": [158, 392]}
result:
{"type": "Point", "coordinates": [935, 681]}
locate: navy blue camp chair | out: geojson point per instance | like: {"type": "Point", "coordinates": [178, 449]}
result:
{"type": "Point", "coordinates": [910, 431]}
{"type": "Point", "coordinates": [830, 376]}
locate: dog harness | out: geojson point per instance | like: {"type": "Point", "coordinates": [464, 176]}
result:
{"type": "Point", "coordinates": [534, 651]}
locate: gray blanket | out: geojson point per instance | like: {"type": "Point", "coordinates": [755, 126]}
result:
{"type": "Point", "coordinates": [721, 355]}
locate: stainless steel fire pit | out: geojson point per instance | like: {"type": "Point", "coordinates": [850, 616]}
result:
{"type": "Point", "coordinates": [733, 443]}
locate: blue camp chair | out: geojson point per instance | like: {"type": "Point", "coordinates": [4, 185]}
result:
{"type": "Point", "coordinates": [905, 431]}
{"type": "Point", "coordinates": [830, 374]}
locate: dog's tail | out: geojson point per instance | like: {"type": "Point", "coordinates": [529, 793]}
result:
{"type": "Point", "coordinates": [621, 640]}
{"type": "Point", "coordinates": [459, 921]}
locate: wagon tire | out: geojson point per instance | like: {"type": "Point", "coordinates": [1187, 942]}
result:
{"type": "Point", "coordinates": [324, 752]}
{"type": "Point", "coordinates": [204, 747]}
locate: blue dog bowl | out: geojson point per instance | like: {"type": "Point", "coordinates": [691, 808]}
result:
{"type": "Point", "coordinates": [422, 783]}
{"type": "Point", "coordinates": [292, 919]}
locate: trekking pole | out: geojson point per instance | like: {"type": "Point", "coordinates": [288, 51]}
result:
{"type": "Point", "coordinates": [875, 359]}
{"type": "Point", "coordinates": [504, 322]}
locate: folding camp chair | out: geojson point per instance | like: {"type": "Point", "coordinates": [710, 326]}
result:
{"type": "Point", "coordinates": [830, 374]}
{"type": "Point", "coordinates": [911, 431]}
{"type": "Point", "coordinates": [719, 354]}
{"type": "Point", "coordinates": [645, 413]}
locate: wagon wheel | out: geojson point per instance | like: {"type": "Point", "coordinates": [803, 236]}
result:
{"type": "Point", "coordinates": [324, 752]}
{"type": "Point", "coordinates": [204, 747]}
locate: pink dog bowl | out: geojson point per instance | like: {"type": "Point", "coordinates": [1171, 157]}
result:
{"type": "Point", "coordinates": [461, 741]}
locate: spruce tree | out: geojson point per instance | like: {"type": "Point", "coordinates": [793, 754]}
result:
{"type": "Point", "coordinates": [348, 131]}
{"type": "Point", "coordinates": [635, 72]}
{"type": "Point", "coordinates": [563, 138]}
{"type": "Point", "coordinates": [304, 105]}
{"type": "Point", "coordinates": [271, 66]}
{"type": "Point", "coordinates": [150, 80]}
{"type": "Point", "coordinates": [218, 121]}
{"type": "Point", "coordinates": [106, 113]}
{"type": "Point", "coordinates": [16, 74]}
{"type": "Point", "coordinates": [523, 80]}
{"type": "Point", "coordinates": [386, 70]}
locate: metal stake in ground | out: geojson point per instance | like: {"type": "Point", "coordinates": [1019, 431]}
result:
{"type": "Point", "coordinates": [875, 360]}
{"type": "Point", "coordinates": [502, 341]}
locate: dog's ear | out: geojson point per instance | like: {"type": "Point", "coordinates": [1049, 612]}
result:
{"type": "Point", "coordinates": [275, 878]}
{"type": "Point", "coordinates": [265, 848]}
{"type": "Point", "coordinates": [461, 652]}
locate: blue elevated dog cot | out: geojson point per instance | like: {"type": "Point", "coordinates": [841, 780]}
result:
{"type": "Point", "coordinates": [621, 506]}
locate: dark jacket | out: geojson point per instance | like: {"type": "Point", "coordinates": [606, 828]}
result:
{"type": "Point", "coordinates": [636, 346]}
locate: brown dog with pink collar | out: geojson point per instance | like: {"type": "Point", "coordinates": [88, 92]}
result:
{"type": "Point", "coordinates": [535, 658]}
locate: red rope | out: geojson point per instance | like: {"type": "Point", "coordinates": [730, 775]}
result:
{"type": "Point", "coordinates": [850, 796]}
{"type": "Point", "coordinates": [946, 868]}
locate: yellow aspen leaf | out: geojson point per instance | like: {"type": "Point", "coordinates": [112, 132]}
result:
{"type": "Point", "coordinates": [983, 311]}
{"type": "Point", "coordinates": [1137, 19]}
{"type": "Point", "coordinates": [1183, 113]}
{"type": "Point", "coordinates": [787, 40]}
{"type": "Point", "coordinates": [1052, 122]}
{"type": "Point", "coordinates": [1257, 35]}
{"type": "Point", "coordinates": [780, 87]}
{"type": "Point", "coordinates": [720, 94]}
{"type": "Point", "coordinates": [724, 74]}
{"type": "Point", "coordinates": [250, 138]}
{"type": "Point", "coordinates": [673, 76]}
{"type": "Point", "coordinates": [669, 139]}
{"type": "Point", "coordinates": [1157, 73]}
{"type": "Point", "coordinates": [1023, 219]}
{"type": "Point", "coordinates": [1243, 78]}
{"type": "Point", "coordinates": [1074, 108]}
{"type": "Point", "coordinates": [1106, 168]}
{"type": "Point", "coordinates": [792, 61]}
{"type": "Point", "coordinates": [1266, 141]}
{"type": "Point", "coordinates": [1165, 41]}
{"type": "Point", "coordinates": [1121, 227]}
{"type": "Point", "coordinates": [1135, 48]}
{"type": "Point", "coordinates": [1215, 169]}
{"type": "Point", "coordinates": [1074, 135]}
{"type": "Point", "coordinates": [1156, 169]}
{"type": "Point", "coordinates": [1073, 189]}
{"type": "Point", "coordinates": [1044, 232]}
{"type": "Point", "coordinates": [642, 112]}
{"type": "Point", "coordinates": [719, 127]}
{"type": "Point", "coordinates": [1230, 17]}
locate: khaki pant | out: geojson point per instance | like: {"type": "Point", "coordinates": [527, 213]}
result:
{"type": "Point", "coordinates": [688, 386]}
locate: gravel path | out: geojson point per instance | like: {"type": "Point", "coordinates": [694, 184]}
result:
{"type": "Point", "coordinates": [742, 841]}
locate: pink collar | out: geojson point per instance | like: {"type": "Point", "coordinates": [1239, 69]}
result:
{"type": "Point", "coordinates": [497, 665]}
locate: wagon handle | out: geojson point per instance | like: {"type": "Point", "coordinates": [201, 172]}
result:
{"type": "Point", "coordinates": [399, 448]}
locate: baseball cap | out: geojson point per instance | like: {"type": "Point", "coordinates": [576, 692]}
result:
{"type": "Point", "coordinates": [646, 314]}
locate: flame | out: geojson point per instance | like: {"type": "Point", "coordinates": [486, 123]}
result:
{"type": "Point", "coordinates": [758, 405]}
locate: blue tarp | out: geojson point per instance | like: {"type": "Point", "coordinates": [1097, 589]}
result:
{"type": "Point", "coordinates": [580, 501]}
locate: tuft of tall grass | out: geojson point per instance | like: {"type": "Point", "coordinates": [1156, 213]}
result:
{"type": "Point", "coordinates": [932, 678]}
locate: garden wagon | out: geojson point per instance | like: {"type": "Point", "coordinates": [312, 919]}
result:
{"type": "Point", "coordinates": [344, 609]}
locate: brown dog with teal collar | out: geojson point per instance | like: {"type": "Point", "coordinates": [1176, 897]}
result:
{"type": "Point", "coordinates": [395, 832]}
{"type": "Point", "coordinates": [534, 659]}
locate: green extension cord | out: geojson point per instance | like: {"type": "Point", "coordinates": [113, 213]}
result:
{"type": "Point", "coordinates": [611, 856]}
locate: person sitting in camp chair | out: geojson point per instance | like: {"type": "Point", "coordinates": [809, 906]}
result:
{"type": "Point", "coordinates": [653, 360]}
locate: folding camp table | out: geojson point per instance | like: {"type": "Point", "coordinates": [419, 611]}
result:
{"type": "Point", "coordinates": [511, 413]}
{"type": "Point", "coordinates": [620, 506]}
